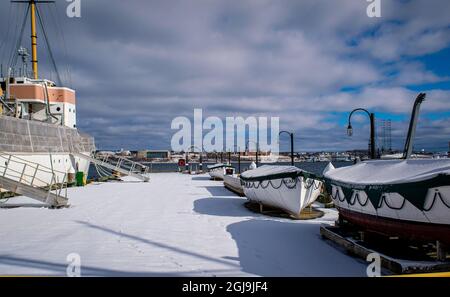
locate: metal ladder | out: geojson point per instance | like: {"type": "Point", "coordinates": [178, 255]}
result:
{"type": "Point", "coordinates": [33, 180]}
{"type": "Point", "coordinates": [119, 164]}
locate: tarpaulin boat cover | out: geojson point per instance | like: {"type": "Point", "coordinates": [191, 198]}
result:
{"type": "Point", "coordinates": [218, 166]}
{"type": "Point", "coordinates": [382, 172]}
{"type": "Point", "coordinates": [269, 172]}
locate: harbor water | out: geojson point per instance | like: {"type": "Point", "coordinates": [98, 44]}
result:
{"type": "Point", "coordinates": [160, 167]}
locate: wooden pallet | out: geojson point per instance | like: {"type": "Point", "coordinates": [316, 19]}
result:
{"type": "Point", "coordinates": [358, 244]}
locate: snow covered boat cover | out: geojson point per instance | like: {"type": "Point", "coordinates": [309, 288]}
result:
{"type": "Point", "coordinates": [269, 172]}
{"type": "Point", "coordinates": [218, 166]}
{"type": "Point", "coordinates": [411, 179]}
{"type": "Point", "coordinates": [285, 187]}
{"type": "Point", "coordinates": [381, 172]}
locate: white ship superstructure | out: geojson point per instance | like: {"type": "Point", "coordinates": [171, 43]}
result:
{"type": "Point", "coordinates": [38, 120]}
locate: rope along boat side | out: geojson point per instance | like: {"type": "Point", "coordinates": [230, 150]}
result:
{"type": "Point", "coordinates": [286, 187]}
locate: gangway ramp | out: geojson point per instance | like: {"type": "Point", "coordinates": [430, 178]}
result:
{"type": "Point", "coordinates": [119, 164]}
{"type": "Point", "coordinates": [33, 180]}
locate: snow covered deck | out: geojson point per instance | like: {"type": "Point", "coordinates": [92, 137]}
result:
{"type": "Point", "coordinates": [174, 225]}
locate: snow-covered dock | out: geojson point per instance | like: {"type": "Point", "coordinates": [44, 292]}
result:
{"type": "Point", "coordinates": [174, 225]}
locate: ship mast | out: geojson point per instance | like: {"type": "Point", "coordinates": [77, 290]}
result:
{"type": "Point", "coordinates": [34, 54]}
{"type": "Point", "coordinates": [34, 60]}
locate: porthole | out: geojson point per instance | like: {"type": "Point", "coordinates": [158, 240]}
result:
{"type": "Point", "coordinates": [58, 108]}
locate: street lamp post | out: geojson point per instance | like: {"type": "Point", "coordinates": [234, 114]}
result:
{"type": "Point", "coordinates": [257, 154]}
{"type": "Point", "coordinates": [238, 149]}
{"type": "Point", "coordinates": [201, 160]}
{"type": "Point", "coordinates": [239, 161]}
{"type": "Point", "coordinates": [372, 129]}
{"type": "Point", "coordinates": [291, 135]}
{"type": "Point", "coordinates": [257, 150]}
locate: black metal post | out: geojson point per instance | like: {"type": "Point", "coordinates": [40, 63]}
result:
{"type": "Point", "coordinates": [372, 137]}
{"type": "Point", "coordinates": [292, 149]}
{"type": "Point", "coordinates": [291, 135]}
{"type": "Point", "coordinates": [239, 162]}
{"type": "Point", "coordinates": [372, 147]}
{"type": "Point", "coordinates": [448, 153]}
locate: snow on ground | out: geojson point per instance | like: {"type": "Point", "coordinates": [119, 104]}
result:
{"type": "Point", "coordinates": [174, 225]}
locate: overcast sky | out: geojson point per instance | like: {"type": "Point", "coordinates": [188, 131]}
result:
{"type": "Point", "coordinates": [138, 64]}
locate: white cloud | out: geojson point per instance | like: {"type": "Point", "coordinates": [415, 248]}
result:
{"type": "Point", "coordinates": [138, 64]}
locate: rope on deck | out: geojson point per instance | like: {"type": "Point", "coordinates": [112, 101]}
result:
{"type": "Point", "coordinates": [290, 183]}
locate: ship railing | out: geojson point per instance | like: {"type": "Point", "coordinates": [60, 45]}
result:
{"type": "Point", "coordinates": [33, 174]}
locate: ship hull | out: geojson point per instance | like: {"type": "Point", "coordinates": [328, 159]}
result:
{"type": "Point", "coordinates": [284, 187]}
{"type": "Point", "coordinates": [60, 163]}
{"type": "Point", "coordinates": [233, 183]}
{"type": "Point", "coordinates": [410, 230]}
{"type": "Point", "coordinates": [396, 216]}
{"type": "Point", "coordinates": [289, 195]}
{"type": "Point", "coordinates": [409, 199]}
{"type": "Point", "coordinates": [52, 147]}
{"type": "Point", "coordinates": [218, 171]}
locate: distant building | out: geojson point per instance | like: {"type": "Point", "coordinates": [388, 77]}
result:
{"type": "Point", "coordinates": [141, 154]}
{"type": "Point", "coordinates": [153, 155]}
{"type": "Point", "coordinates": [253, 153]}
{"type": "Point", "coordinates": [158, 154]}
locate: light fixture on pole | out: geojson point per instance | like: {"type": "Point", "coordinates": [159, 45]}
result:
{"type": "Point", "coordinates": [372, 129]}
{"type": "Point", "coordinates": [291, 135]}
{"type": "Point", "coordinates": [257, 149]}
